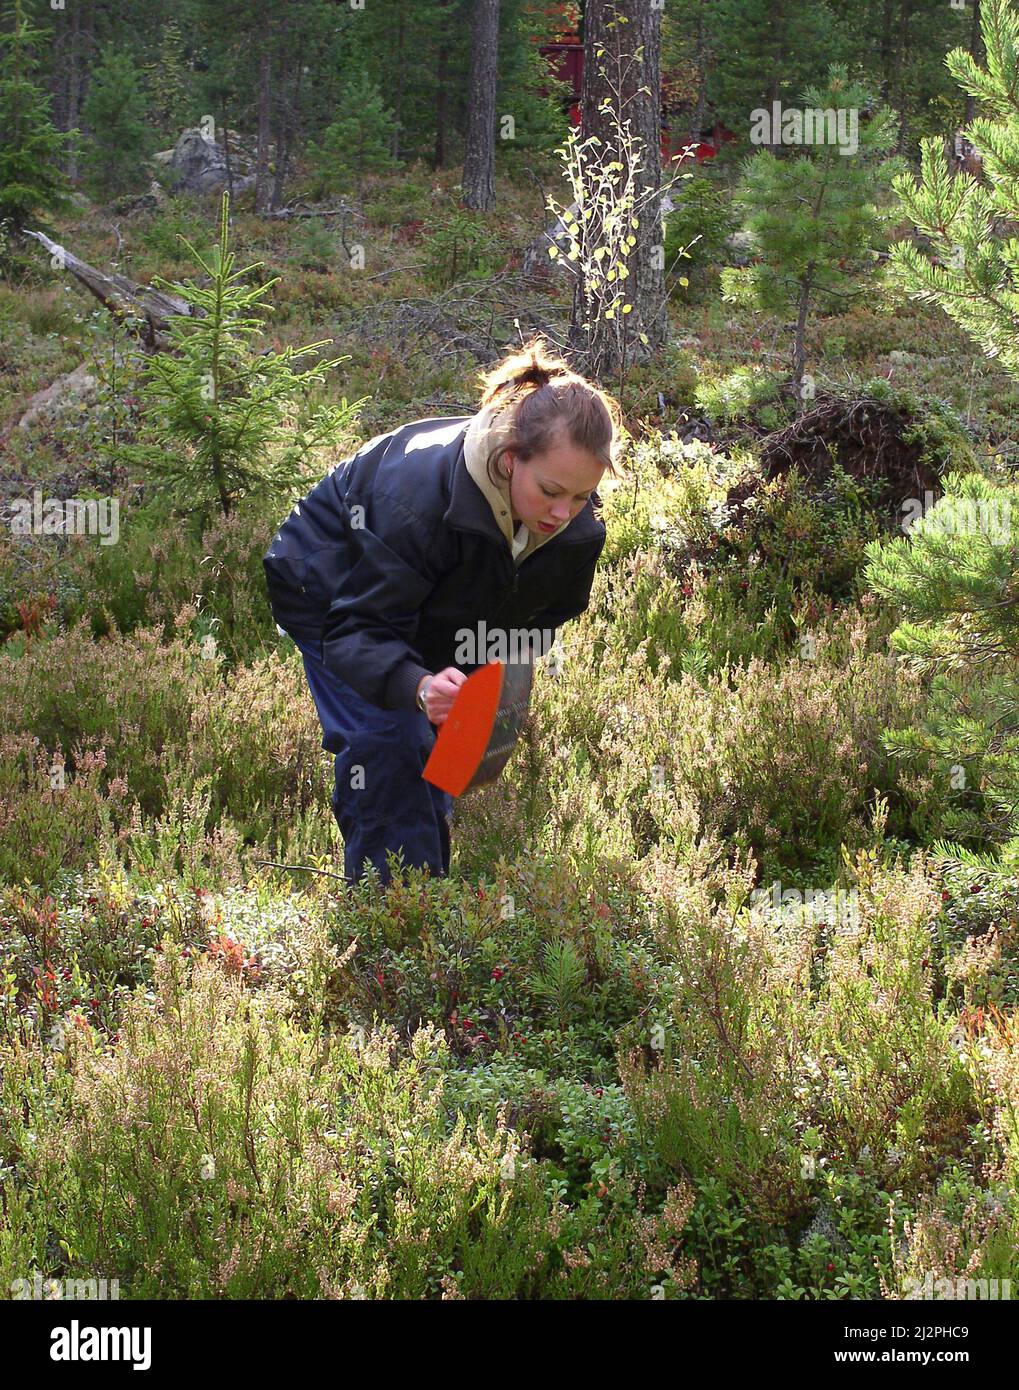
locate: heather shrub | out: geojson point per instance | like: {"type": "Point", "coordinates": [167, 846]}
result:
{"type": "Point", "coordinates": [713, 582]}
{"type": "Point", "coordinates": [672, 499]}
{"type": "Point", "coordinates": [71, 955]}
{"type": "Point", "coordinates": [989, 1048]}
{"type": "Point", "coordinates": [978, 938]}
{"type": "Point", "coordinates": [537, 964]}
{"type": "Point", "coordinates": [751, 1038]}
{"type": "Point", "coordinates": [132, 695]}
{"type": "Point", "coordinates": [960, 1231]}
{"type": "Point", "coordinates": [203, 1158]}
{"type": "Point", "coordinates": [711, 1080]}
{"type": "Point", "coordinates": [219, 1151]}
{"type": "Point", "coordinates": [161, 719]}
{"type": "Point", "coordinates": [878, 1067]}
{"type": "Point", "coordinates": [48, 821]}
{"type": "Point", "coordinates": [258, 737]}
{"type": "Point", "coordinates": [784, 762]}
{"type": "Point", "coordinates": [158, 567]}
{"type": "Point", "coordinates": [801, 1070]}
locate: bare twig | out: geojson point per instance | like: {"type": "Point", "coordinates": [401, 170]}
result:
{"type": "Point", "coordinates": [307, 868]}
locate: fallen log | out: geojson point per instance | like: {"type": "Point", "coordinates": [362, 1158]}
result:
{"type": "Point", "coordinates": [296, 211]}
{"type": "Point", "coordinates": [144, 310]}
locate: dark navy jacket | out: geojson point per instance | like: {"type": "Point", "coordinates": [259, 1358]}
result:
{"type": "Point", "coordinates": [386, 591]}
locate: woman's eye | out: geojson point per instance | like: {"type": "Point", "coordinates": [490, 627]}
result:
{"type": "Point", "coordinates": [555, 494]}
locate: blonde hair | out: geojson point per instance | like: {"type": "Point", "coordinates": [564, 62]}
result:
{"type": "Point", "coordinates": [542, 395]}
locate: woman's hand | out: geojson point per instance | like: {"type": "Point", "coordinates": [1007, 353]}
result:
{"type": "Point", "coordinates": [441, 692]}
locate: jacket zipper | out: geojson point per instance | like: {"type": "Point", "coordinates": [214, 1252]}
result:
{"type": "Point", "coordinates": [504, 549]}
{"type": "Point", "coordinates": [510, 591]}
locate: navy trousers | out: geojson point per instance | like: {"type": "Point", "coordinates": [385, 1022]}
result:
{"type": "Point", "coordinates": [380, 800]}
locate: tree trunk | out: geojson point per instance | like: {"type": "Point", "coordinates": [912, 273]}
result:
{"type": "Point", "coordinates": [441, 95]}
{"type": "Point", "coordinates": [886, 49]}
{"type": "Point", "coordinates": [976, 48]}
{"type": "Point", "coordinates": [479, 164]}
{"type": "Point", "coordinates": [398, 93]}
{"type": "Point", "coordinates": [287, 99]}
{"type": "Point", "coordinates": [701, 61]}
{"type": "Point", "coordinates": [282, 143]}
{"type": "Point", "coordinates": [262, 188]}
{"type": "Point", "coordinates": [799, 342]}
{"type": "Point", "coordinates": [897, 98]}
{"type": "Point", "coordinates": [631, 84]}
{"type": "Point", "coordinates": [73, 63]}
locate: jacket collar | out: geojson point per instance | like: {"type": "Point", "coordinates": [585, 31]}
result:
{"type": "Point", "coordinates": [478, 504]}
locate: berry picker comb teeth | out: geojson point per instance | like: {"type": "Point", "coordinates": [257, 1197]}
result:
{"type": "Point", "coordinates": [474, 743]}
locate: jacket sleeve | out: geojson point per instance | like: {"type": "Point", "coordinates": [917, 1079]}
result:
{"type": "Point", "coordinates": [572, 600]}
{"type": "Point", "coordinates": [369, 629]}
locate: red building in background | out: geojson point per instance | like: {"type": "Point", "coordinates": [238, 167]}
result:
{"type": "Point", "coordinates": [565, 57]}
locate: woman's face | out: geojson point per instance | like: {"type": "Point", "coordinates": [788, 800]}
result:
{"type": "Point", "coordinates": [551, 487]}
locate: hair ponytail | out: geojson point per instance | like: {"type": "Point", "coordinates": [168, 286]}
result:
{"type": "Point", "coordinates": [540, 395]}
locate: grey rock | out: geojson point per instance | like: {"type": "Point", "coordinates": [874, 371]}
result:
{"type": "Point", "coordinates": [199, 165]}
{"type": "Point", "coordinates": [66, 393]}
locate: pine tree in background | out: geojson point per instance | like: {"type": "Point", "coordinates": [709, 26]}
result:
{"type": "Point", "coordinates": [224, 421]}
{"type": "Point", "coordinates": [764, 51]}
{"type": "Point", "coordinates": [120, 139]}
{"type": "Point", "coordinates": [31, 149]}
{"type": "Point", "coordinates": [970, 272]}
{"type": "Point", "coordinates": [358, 140]}
{"type": "Point", "coordinates": [955, 578]}
{"type": "Point", "coordinates": [528, 90]}
{"type": "Point", "coordinates": [814, 217]}
{"type": "Point", "coordinates": [168, 83]}
{"type": "Point", "coordinates": [901, 45]}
